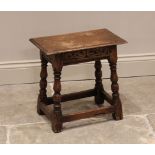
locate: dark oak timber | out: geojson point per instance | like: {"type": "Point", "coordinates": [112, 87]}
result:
{"type": "Point", "coordinates": [107, 97]}
{"type": "Point", "coordinates": [118, 115]}
{"type": "Point", "coordinates": [74, 96]}
{"type": "Point", "coordinates": [88, 113]}
{"type": "Point", "coordinates": [42, 97]}
{"type": "Point", "coordinates": [74, 48]}
{"type": "Point", "coordinates": [57, 65]}
{"type": "Point", "coordinates": [99, 98]}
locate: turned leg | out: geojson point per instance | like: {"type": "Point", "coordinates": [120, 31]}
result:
{"type": "Point", "coordinates": [99, 98]}
{"type": "Point", "coordinates": [117, 115]}
{"type": "Point", "coordinates": [42, 97]}
{"type": "Point", "coordinates": [57, 113]}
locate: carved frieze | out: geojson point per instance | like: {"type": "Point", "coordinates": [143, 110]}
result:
{"type": "Point", "coordinates": [85, 55]}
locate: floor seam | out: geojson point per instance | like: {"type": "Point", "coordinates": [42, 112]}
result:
{"type": "Point", "coordinates": [16, 125]}
{"type": "Point", "coordinates": [139, 115]}
{"type": "Point", "coordinates": [149, 126]}
{"type": "Point", "coordinates": [23, 124]}
{"type": "Point", "coordinates": [92, 79]}
{"type": "Point", "coordinates": [8, 128]}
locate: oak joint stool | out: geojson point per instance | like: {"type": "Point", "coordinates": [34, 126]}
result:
{"type": "Point", "coordinates": [73, 48]}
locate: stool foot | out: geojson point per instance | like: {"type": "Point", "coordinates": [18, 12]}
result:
{"type": "Point", "coordinates": [118, 115]}
{"type": "Point", "coordinates": [57, 121]}
{"type": "Point", "coordinates": [39, 111]}
{"type": "Point", "coordinates": [99, 99]}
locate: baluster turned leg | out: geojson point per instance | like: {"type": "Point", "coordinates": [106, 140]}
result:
{"type": "Point", "coordinates": [42, 97]}
{"type": "Point", "coordinates": [99, 98]}
{"type": "Point", "coordinates": [118, 115]}
{"type": "Point", "coordinates": [57, 113]}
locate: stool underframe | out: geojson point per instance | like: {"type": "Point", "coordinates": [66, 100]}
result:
{"type": "Point", "coordinates": [58, 61]}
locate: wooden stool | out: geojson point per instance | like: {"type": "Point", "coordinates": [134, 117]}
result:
{"type": "Point", "coordinates": [69, 49]}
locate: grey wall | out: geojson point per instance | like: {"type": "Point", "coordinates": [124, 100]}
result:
{"type": "Point", "coordinates": [138, 28]}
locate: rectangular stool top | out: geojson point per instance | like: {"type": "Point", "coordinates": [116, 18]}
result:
{"type": "Point", "coordinates": [77, 41]}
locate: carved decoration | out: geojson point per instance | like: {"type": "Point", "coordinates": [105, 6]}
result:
{"type": "Point", "coordinates": [85, 55]}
